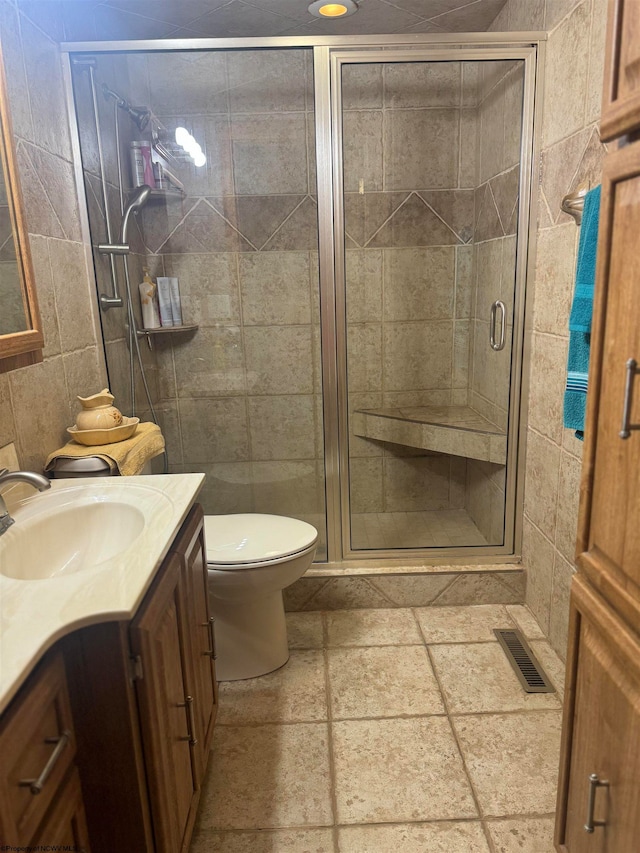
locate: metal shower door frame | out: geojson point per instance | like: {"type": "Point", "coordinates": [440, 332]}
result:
{"type": "Point", "coordinates": [333, 291]}
{"type": "Point", "coordinates": [328, 52]}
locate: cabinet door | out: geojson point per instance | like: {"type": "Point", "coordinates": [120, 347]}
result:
{"type": "Point", "coordinates": [66, 826]}
{"type": "Point", "coordinates": [602, 731]}
{"type": "Point", "coordinates": [621, 101]}
{"type": "Point", "coordinates": [609, 533]}
{"type": "Point", "coordinates": [159, 636]}
{"type": "Point", "coordinates": [190, 548]}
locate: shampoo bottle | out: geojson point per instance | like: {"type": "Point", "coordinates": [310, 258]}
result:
{"type": "Point", "coordinates": [149, 302]}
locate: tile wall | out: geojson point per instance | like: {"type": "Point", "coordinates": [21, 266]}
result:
{"type": "Point", "coordinates": [571, 156]}
{"type": "Point", "coordinates": [37, 403]}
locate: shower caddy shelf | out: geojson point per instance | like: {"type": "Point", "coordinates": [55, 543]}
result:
{"type": "Point", "coordinates": [167, 330]}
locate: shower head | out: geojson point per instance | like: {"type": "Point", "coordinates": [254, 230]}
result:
{"type": "Point", "coordinates": [137, 202]}
{"type": "Point", "coordinates": [140, 115]}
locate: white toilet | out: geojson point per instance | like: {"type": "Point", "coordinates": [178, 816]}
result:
{"type": "Point", "coordinates": [251, 558]}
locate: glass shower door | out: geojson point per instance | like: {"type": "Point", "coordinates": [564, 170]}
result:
{"type": "Point", "coordinates": [431, 154]}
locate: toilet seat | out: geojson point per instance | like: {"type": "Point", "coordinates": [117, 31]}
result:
{"type": "Point", "coordinates": [246, 540]}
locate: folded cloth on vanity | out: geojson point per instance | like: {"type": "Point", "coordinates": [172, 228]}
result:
{"type": "Point", "coordinates": [128, 456]}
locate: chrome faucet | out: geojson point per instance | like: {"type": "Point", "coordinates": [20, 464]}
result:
{"type": "Point", "coordinates": [36, 480]}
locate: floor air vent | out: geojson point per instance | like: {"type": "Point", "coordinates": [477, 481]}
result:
{"type": "Point", "coordinates": [530, 674]}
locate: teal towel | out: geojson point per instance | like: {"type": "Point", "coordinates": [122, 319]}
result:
{"type": "Point", "coordinates": [582, 307]}
{"type": "Point", "coordinates": [575, 395]}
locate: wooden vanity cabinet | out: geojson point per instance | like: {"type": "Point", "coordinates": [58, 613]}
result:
{"type": "Point", "coordinates": [40, 798]}
{"type": "Point", "coordinates": [601, 728]}
{"type": "Point", "coordinates": [144, 698]}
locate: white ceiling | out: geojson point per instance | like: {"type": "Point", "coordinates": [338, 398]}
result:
{"type": "Point", "coordinates": [75, 20]}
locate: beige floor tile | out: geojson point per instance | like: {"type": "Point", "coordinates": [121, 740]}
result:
{"type": "Point", "coordinates": [462, 624]}
{"type": "Point", "coordinates": [399, 770]}
{"type": "Point", "coordinates": [527, 835]}
{"type": "Point", "coordinates": [443, 837]}
{"type": "Point", "coordinates": [265, 777]}
{"type": "Point", "coordinates": [477, 677]}
{"type": "Point", "coordinates": [387, 681]}
{"type": "Point", "coordinates": [526, 621]}
{"type": "Point", "coordinates": [512, 760]}
{"type": "Point", "coordinates": [551, 664]}
{"type": "Point", "coordinates": [276, 841]}
{"type": "Point", "coordinates": [294, 693]}
{"type": "Point", "coordinates": [304, 630]}
{"type": "Point", "coordinates": [372, 628]}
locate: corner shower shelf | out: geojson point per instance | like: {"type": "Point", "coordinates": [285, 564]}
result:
{"type": "Point", "coordinates": [457, 430]}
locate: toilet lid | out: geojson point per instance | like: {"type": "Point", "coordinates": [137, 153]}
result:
{"type": "Point", "coordinates": [254, 538]}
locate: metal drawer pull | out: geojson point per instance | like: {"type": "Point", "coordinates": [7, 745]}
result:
{"type": "Point", "coordinates": [594, 784]}
{"type": "Point", "coordinates": [492, 325]}
{"type": "Point", "coordinates": [36, 785]}
{"type": "Point", "coordinates": [212, 640]}
{"type": "Point", "coordinates": [632, 371]}
{"type": "Point", "coordinates": [191, 720]}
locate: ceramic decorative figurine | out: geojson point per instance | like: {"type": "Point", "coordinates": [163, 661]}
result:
{"type": "Point", "coordinates": [98, 412]}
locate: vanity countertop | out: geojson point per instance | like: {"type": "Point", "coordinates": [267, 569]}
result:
{"type": "Point", "coordinates": [34, 614]}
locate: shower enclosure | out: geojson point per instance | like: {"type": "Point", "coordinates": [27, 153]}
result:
{"type": "Point", "coordinates": [352, 260]}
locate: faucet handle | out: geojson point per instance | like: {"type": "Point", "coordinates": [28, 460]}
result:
{"type": "Point", "coordinates": [3, 471]}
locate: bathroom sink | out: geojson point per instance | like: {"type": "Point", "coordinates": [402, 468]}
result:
{"type": "Point", "coordinates": [74, 529]}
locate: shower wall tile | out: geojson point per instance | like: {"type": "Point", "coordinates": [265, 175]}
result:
{"type": "Point", "coordinates": [422, 85]}
{"type": "Point", "coordinates": [488, 264]}
{"type": "Point", "coordinates": [362, 87]}
{"type": "Point", "coordinates": [407, 135]}
{"type": "Point", "coordinates": [362, 447]}
{"type": "Point", "coordinates": [203, 75]}
{"type": "Point", "coordinates": [491, 129]}
{"type": "Point", "coordinates": [209, 289]}
{"type": "Point", "coordinates": [362, 145]}
{"type": "Point", "coordinates": [213, 133]}
{"type": "Point", "coordinates": [554, 278]}
{"type": "Point", "coordinates": [287, 488]}
{"type": "Point", "coordinates": [417, 355]}
{"type": "Point", "coordinates": [275, 288]}
{"type": "Point", "coordinates": [73, 304]}
{"type": "Point", "coordinates": [169, 423]}
{"type": "Point", "coordinates": [258, 217]}
{"type": "Point", "coordinates": [363, 270]}
{"type": "Point", "coordinates": [364, 357]}
{"type": "Point", "coordinates": [278, 360]}
{"type": "Point", "coordinates": [210, 363]}
{"type": "Point", "coordinates": [299, 231]}
{"type": "Point", "coordinates": [365, 481]}
{"type": "Point", "coordinates": [468, 148]}
{"type": "Point", "coordinates": [513, 104]}
{"type": "Point", "coordinates": [46, 92]}
{"type": "Point", "coordinates": [546, 392]}
{"type": "Point", "coordinates": [418, 284]}
{"type": "Point", "coordinates": [269, 153]}
{"type": "Point", "coordinates": [567, 61]}
{"type": "Point", "coordinates": [227, 487]}
{"type": "Point", "coordinates": [268, 81]}
{"type": "Point", "coordinates": [455, 207]}
{"type": "Point", "coordinates": [203, 229]}
{"type": "Point", "coordinates": [281, 428]}
{"type": "Point", "coordinates": [463, 282]}
{"type": "Point", "coordinates": [46, 295]}
{"type": "Point", "coordinates": [460, 371]}
{"type": "Point", "coordinates": [414, 484]}
{"type": "Point", "coordinates": [366, 213]}
{"type": "Point", "coordinates": [413, 223]}
{"type": "Point", "coordinates": [214, 430]}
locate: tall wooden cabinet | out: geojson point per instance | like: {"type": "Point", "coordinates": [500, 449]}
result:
{"type": "Point", "coordinates": [599, 786]}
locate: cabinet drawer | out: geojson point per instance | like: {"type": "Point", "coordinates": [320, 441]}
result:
{"type": "Point", "coordinates": [66, 825]}
{"type": "Point", "coordinates": [37, 747]}
{"type": "Point", "coordinates": [601, 749]}
{"type": "Point", "coordinates": [621, 100]}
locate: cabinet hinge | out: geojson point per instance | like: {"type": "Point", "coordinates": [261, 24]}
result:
{"type": "Point", "coordinates": [136, 672]}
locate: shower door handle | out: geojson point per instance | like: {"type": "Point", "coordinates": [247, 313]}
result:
{"type": "Point", "coordinates": [497, 346]}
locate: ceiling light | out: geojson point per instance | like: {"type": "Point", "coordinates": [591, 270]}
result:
{"type": "Point", "coordinates": [323, 9]}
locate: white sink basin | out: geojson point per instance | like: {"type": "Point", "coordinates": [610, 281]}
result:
{"type": "Point", "coordinates": [67, 530]}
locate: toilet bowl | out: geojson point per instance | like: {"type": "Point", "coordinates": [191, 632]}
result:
{"type": "Point", "coordinates": [251, 558]}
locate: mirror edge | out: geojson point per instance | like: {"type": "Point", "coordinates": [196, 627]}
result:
{"type": "Point", "coordinates": [18, 349]}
